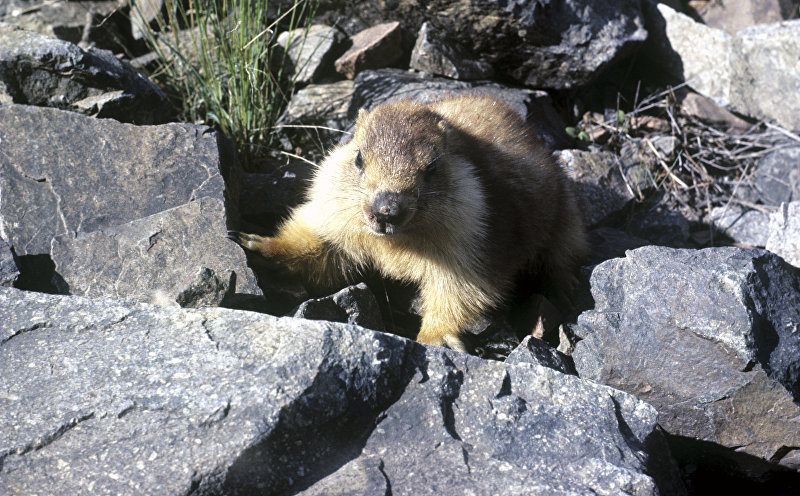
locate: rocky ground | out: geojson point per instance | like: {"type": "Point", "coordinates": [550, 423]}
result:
{"type": "Point", "coordinates": [142, 352]}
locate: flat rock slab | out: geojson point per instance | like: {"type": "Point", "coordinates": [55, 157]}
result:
{"type": "Point", "coordinates": [374, 47]}
{"type": "Point", "coordinates": [311, 51]}
{"type": "Point", "coordinates": [61, 172]}
{"type": "Point", "coordinates": [104, 397]}
{"type": "Point", "coordinates": [373, 88]}
{"type": "Point", "coordinates": [710, 338]}
{"type": "Point", "coordinates": [155, 258]}
{"type": "Point", "coordinates": [44, 71]}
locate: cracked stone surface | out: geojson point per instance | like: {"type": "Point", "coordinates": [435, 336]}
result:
{"type": "Point", "coordinates": [104, 397]}
{"type": "Point", "coordinates": [53, 183]}
{"type": "Point", "coordinates": [39, 70]}
{"type": "Point", "coordinates": [156, 258]}
{"type": "Point", "coordinates": [710, 338]}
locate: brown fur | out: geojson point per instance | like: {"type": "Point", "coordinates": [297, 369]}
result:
{"type": "Point", "coordinates": [496, 205]}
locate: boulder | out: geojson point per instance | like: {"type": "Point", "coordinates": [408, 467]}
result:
{"type": "Point", "coordinates": [784, 233]}
{"type": "Point", "coordinates": [108, 397]}
{"type": "Point", "coordinates": [766, 74]}
{"type": "Point", "coordinates": [372, 48]}
{"type": "Point", "coordinates": [710, 338]}
{"type": "Point", "coordinates": [44, 71]}
{"type": "Point", "coordinates": [435, 55]}
{"type": "Point", "coordinates": [311, 51]}
{"type": "Point", "coordinates": [375, 87]}
{"type": "Point", "coordinates": [754, 72]}
{"type": "Point", "coordinates": [61, 172]}
{"type": "Point", "coordinates": [156, 259]}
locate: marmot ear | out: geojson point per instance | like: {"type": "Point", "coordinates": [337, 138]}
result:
{"type": "Point", "coordinates": [449, 136]}
{"type": "Point", "coordinates": [362, 117]}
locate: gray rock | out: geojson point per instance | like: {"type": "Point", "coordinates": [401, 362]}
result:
{"type": "Point", "coordinates": [372, 48]}
{"type": "Point", "coordinates": [154, 400]}
{"type": "Point", "coordinates": [8, 267]}
{"type": "Point", "coordinates": [777, 176]}
{"type": "Point", "coordinates": [710, 339]}
{"type": "Point", "coordinates": [601, 186]}
{"type": "Point", "coordinates": [43, 71]}
{"type": "Point", "coordinates": [324, 105]}
{"type": "Point", "coordinates": [532, 350]}
{"type": "Point", "coordinates": [375, 87]}
{"type": "Point", "coordinates": [748, 227]}
{"type": "Point", "coordinates": [156, 258]}
{"type": "Point", "coordinates": [111, 398]}
{"type": "Point", "coordinates": [435, 55]}
{"type": "Point", "coordinates": [753, 72]}
{"type": "Point", "coordinates": [766, 74]}
{"type": "Point", "coordinates": [352, 305]}
{"type": "Point", "coordinates": [784, 233]}
{"type": "Point", "coordinates": [544, 44]}
{"type": "Point", "coordinates": [311, 51]}
{"type": "Point", "coordinates": [464, 425]}
{"type": "Point", "coordinates": [52, 182]}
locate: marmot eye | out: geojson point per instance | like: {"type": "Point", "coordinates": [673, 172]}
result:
{"type": "Point", "coordinates": [359, 161]}
{"type": "Point", "coordinates": [431, 167]}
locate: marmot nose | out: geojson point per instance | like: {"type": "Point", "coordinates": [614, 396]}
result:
{"type": "Point", "coordinates": [388, 207]}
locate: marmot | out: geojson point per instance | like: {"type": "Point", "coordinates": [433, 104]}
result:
{"type": "Point", "coordinates": [457, 196]}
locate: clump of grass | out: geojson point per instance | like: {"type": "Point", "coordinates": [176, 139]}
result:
{"type": "Point", "coordinates": [220, 64]}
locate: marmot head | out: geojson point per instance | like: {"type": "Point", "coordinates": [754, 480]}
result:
{"type": "Point", "coordinates": [400, 162]}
